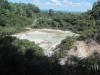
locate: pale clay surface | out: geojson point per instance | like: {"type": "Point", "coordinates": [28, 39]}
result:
{"type": "Point", "coordinates": [49, 38]}
{"type": "Point", "coordinates": [45, 38]}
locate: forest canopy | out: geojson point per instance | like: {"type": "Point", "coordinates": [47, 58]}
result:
{"type": "Point", "coordinates": [26, 58]}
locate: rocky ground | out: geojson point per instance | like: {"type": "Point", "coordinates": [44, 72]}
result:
{"type": "Point", "coordinates": [49, 38]}
{"type": "Point", "coordinates": [81, 49]}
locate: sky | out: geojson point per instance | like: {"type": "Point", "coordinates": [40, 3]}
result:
{"type": "Point", "coordinates": [61, 5]}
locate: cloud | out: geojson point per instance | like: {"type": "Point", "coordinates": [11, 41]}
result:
{"type": "Point", "coordinates": [55, 2]}
{"type": "Point", "coordinates": [61, 4]}
{"type": "Point", "coordinates": [69, 3]}
{"type": "Point", "coordinates": [35, 0]}
{"type": "Point", "coordinates": [81, 4]}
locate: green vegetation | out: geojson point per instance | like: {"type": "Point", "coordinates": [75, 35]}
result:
{"type": "Point", "coordinates": [21, 57]}
{"type": "Point", "coordinates": [15, 16]}
{"type": "Point", "coordinates": [22, 45]}
{"type": "Point", "coordinates": [64, 47]}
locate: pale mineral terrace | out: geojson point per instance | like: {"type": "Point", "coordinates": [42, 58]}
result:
{"type": "Point", "coordinates": [45, 38]}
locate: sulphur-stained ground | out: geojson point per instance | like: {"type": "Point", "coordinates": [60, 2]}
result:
{"type": "Point", "coordinates": [45, 38]}
{"type": "Point", "coordinates": [82, 49]}
{"type": "Point", "coordinates": [48, 39]}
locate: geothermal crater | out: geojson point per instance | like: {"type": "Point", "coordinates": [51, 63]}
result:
{"type": "Point", "coordinates": [45, 38]}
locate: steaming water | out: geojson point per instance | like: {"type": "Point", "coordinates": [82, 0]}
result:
{"type": "Point", "coordinates": [45, 38]}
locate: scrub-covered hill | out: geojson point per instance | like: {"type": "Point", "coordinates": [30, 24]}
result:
{"type": "Point", "coordinates": [77, 55]}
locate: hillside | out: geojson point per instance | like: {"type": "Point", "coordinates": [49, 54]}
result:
{"type": "Point", "coordinates": [29, 36]}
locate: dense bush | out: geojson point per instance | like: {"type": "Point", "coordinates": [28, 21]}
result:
{"type": "Point", "coordinates": [16, 15]}
{"type": "Point", "coordinates": [26, 58]}
{"type": "Point", "coordinates": [62, 49]}
{"type": "Point", "coordinates": [20, 57]}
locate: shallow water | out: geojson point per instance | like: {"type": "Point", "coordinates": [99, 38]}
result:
{"type": "Point", "coordinates": [45, 38]}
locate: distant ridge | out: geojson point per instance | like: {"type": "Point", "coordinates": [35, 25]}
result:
{"type": "Point", "coordinates": [62, 11]}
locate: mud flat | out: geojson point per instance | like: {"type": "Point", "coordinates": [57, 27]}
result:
{"type": "Point", "coordinates": [45, 38]}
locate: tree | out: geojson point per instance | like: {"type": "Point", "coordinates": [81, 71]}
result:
{"type": "Point", "coordinates": [64, 47]}
{"type": "Point", "coordinates": [51, 12]}
{"type": "Point", "coordinates": [96, 10]}
{"type": "Point", "coordinates": [4, 4]}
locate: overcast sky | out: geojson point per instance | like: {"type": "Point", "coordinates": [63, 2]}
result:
{"type": "Point", "coordinates": [63, 5]}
